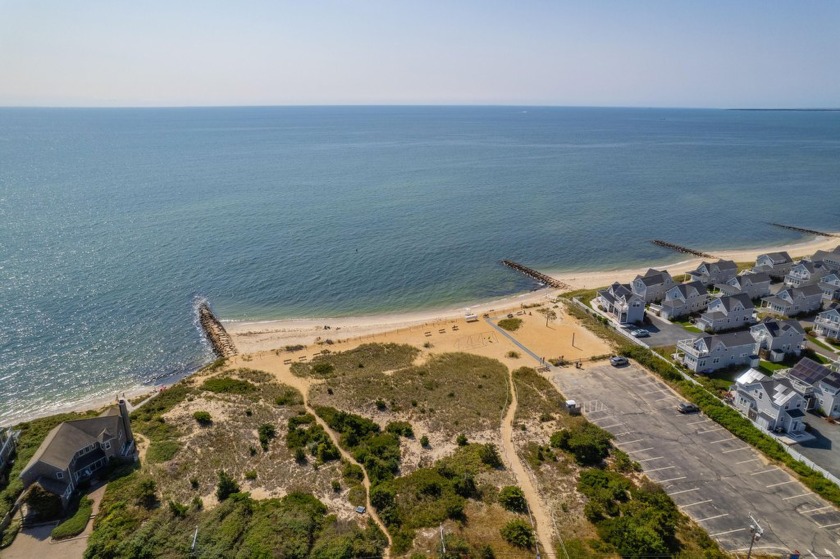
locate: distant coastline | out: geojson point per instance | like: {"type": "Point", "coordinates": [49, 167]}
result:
{"type": "Point", "coordinates": [790, 110]}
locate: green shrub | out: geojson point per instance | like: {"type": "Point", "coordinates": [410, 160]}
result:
{"type": "Point", "coordinates": [228, 385]}
{"type": "Point", "coordinates": [512, 354]}
{"type": "Point", "coordinates": [323, 369]}
{"type": "Point", "coordinates": [461, 440]}
{"type": "Point", "coordinates": [226, 486]}
{"type": "Point", "coordinates": [251, 475]}
{"type": "Point", "coordinates": [588, 443]}
{"type": "Point", "coordinates": [513, 499]}
{"type": "Point", "coordinates": [76, 523]}
{"type": "Point", "coordinates": [489, 455]}
{"type": "Point", "coordinates": [162, 450]}
{"type": "Point", "coordinates": [400, 428]}
{"type": "Point", "coordinates": [510, 324]}
{"type": "Point", "coordinates": [266, 432]}
{"type": "Point", "coordinates": [177, 509]}
{"type": "Point", "coordinates": [518, 533]}
{"type": "Point", "coordinates": [43, 504]}
{"type": "Point", "coordinates": [203, 418]}
{"type": "Point", "coordinates": [424, 441]}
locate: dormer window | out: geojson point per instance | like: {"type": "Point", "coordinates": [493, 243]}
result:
{"type": "Point", "coordinates": [59, 475]}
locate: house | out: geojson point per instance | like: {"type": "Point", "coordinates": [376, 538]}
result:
{"type": "Point", "coordinates": [773, 404]}
{"type": "Point", "coordinates": [74, 450]}
{"type": "Point", "coordinates": [819, 385]}
{"type": "Point", "coordinates": [806, 273]}
{"type": "Point", "coordinates": [620, 301]}
{"type": "Point", "coordinates": [710, 273]}
{"type": "Point", "coordinates": [778, 338]}
{"type": "Point", "coordinates": [827, 324]}
{"type": "Point", "coordinates": [794, 301]}
{"type": "Point", "coordinates": [831, 258]}
{"type": "Point", "coordinates": [727, 312]}
{"type": "Point", "coordinates": [776, 264]}
{"type": "Point", "coordinates": [756, 285]}
{"type": "Point", "coordinates": [652, 286]}
{"type": "Point", "coordinates": [830, 286]}
{"type": "Point", "coordinates": [684, 299]}
{"type": "Point", "coordinates": [710, 353]}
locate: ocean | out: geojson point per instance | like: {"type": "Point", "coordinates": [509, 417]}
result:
{"type": "Point", "coordinates": [114, 222]}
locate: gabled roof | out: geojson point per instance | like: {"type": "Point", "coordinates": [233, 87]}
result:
{"type": "Point", "coordinates": [731, 339]}
{"type": "Point", "coordinates": [690, 289]}
{"type": "Point", "coordinates": [728, 301]}
{"type": "Point", "coordinates": [653, 277]}
{"type": "Point", "coordinates": [809, 371]}
{"type": "Point", "coordinates": [777, 257]}
{"type": "Point", "coordinates": [778, 328]}
{"type": "Point", "coordinates": [726, 265]}
{"type": "Point", "coordinates": [66, 439]}
{"type": "Point", "coordinates": [750, 377]}
{"type": "Point", "coordinates": [755, 277]}
{"type": "Point", "coordinates": [826, 315]}
{"type": "Point", "coordinates": [809, 290]}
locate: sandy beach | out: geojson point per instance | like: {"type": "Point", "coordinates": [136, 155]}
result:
{"type": "Point", "coordinates": [252, 337]}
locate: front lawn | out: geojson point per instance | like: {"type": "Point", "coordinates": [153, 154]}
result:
{"type": "Point", "coordinates": [769, 368]}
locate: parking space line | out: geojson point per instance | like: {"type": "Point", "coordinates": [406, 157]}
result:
{"type": "Point", "coordinates": [696, 422]}
{"type": "Point", "coordinates": [713, 517]}
{"type": "Point", "coordinates": [622, 434]}
{"type": "Point", "coordinates": [765, 471]}
{"type": "Point", "coordinates": [611, 426]}
{"type": "Point", "coordinates": [650, 459]}
{"type": "Point", "coordinates": [816, 510]}
{"type": "Point", "coordinates": [631, 442]}
{"type": "Point", "coordinates": [696, 503]}
{"type": "Point", "coordinates": [723, 440]}
{"type": "Point", "coordinates": [710, 431]}
{"type": "Point", "coordinates": [672, 479]}
{"type": "Point", "coordinates": [781, 483]}
{"type": "Point", "coordinates": [736, 449]}
{"type": "Point", "coordinates": [640, 450]}
{"type": "Point", "coordinates": [795, 496]}
{"type": "Point", "coordinates": [684, 491]}
{"type": "Point", "coordinates": [660, 399]}
{"type": "Point", "coordinates": [750, 460]}
{"type": "Point", "coordinates": [727, 532]}
{"type": "Point", "coordinates": [660, 469]}
{"type": "Point", "coordinates": [829, 525]}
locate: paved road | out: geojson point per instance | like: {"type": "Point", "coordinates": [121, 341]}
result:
{"type": "Point", "coordinates": [664, 333]}
{"type": "Point", "coordinates": [715, 478]}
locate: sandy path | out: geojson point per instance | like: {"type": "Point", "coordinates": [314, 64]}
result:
{"type": "Point", "coordinates": [535, 503]}
{"type": "Point", "coordinates": [302, 385]}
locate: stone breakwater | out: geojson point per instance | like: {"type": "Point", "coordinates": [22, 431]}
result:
{"type": "Point", "coordinates": [220, 340]}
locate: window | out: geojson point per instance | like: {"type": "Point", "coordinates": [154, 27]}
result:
{"type": "Point", "coordinates": [59, 475]}
{"type": "Point", "coordinates": [107, 445]}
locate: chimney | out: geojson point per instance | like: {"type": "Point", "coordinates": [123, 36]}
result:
{"type": "Point", "coordinates": [126, 421]}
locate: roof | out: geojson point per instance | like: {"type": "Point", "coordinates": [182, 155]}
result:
{"type": "Point", "coordinates": [690, 289]}
{"type": "Point", "coordinates": [730, 339]}
{"type": "Point", "coordinates": [778, 328]}
{"type": "Point", "coordinates": [751, 376]}
{"type": "Point", "coordinates": [726, 265]}
{"type": "Point", "coordinates": [728, 301]}
{"type": "Point", "coordinates": [809, 290]}
{"type": "Point", "coordinates": [778, 257]}
{"type": "Point", "coordinates": [656, 278]}
{"type": "Point", "coordinates": [756, 277]}
{"type": "Point", "coordinates": [55, 486]}
{"type": "Point", "coordinates": [62, 443]}
{"type": "Point", "coordinates": [809, 371]}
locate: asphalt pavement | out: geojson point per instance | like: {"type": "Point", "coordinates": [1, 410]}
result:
{"type": "Point", "coordinates": [715, 478]}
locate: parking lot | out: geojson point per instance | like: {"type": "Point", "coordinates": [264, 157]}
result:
{"type": "Point", "coordinates": [664, 333]}
{"type": "Point", "coordinates": [713, 477]}
{"type": "Point", "coordinates": [823, 448]}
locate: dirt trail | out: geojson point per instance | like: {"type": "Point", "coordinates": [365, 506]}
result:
{"type": "Point", "coordinates": [303, 385]}
{"type": "Point", "coordinates": [538, 509]}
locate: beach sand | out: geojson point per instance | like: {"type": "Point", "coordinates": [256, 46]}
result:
{"type": "Point", "coordinates": [252, 337]}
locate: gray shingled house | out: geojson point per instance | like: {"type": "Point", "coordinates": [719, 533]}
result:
{"type": "Point", "coordinates": [684, 299]}
{"type": "Point", "coordinates": [710, 273]}
{"type": "Point", "coordinates": [620, 301]}
{"type": "Point", "coordinates": [652, 286]}
{"type": "Point", "coordinates": [777, 264]}
{"type": "Point", "coordinates": [819, 385]}
{"type": "Point", "coordinates": [726, 313]}
{"type": "Point", "coordinates": [794, 300]}
{"type": "Point", "coordinates": [756, 285]}
{"type": "Point", "coordinates": [75, 450]}
{"type": "Point", "coordinates": [779, 338]}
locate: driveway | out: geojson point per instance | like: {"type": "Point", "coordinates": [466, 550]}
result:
{"type": "Point", "coordinates": [824, 449]}
{"type": "Point", "coordinates": [713, 477]}
{"type": "Point", "coordinates": [664, 333]}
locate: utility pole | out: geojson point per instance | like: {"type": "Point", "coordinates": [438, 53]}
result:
{"type": "Point", "coordinates": [755, 533]}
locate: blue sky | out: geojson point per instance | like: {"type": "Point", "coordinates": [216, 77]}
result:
{"type": "Point", "coordinates": [668, 53]}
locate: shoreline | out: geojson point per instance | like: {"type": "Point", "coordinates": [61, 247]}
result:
{"type": "Point", "coordinates": [264, 335]}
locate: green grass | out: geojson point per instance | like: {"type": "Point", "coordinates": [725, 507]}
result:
{"type": "Point", "coordinates": [687, 325]}
{"type": "Point", "coordinates": [510, 324]}
{"type": "Point", "coordinates": [451, 393]}
{"type": "Point", "coordinates": [536, 397]}
{"type": "Point", "coordinates": [76, 524]}
{"type": "Point", "coordinates": [769, 368]}
{"type": "Point", "coordinates": [228, 385]}
{"type": "Point", "coordinates": [376, 358]}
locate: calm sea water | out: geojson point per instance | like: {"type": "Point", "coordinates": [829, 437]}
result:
{"type": "Point", "coordinates": [112, 222]}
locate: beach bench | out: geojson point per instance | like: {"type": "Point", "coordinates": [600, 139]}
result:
{"type": "Point", "coordinates": [287, 361]}
{"type": "Point", "coordinates": [442, 331]}
{"type": "Point", "coordinates": [455, 328]}
{"type": "Point", "coordinates": [428, 334]}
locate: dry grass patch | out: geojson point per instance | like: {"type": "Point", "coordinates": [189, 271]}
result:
{"type": "Point", "coordinates": [371, 358]}
{"type": "Point", "coordinates": [450, 394]}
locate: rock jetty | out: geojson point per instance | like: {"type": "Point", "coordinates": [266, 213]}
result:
{"type": "Point", "coordinates": [534, 274]}
{"type": "Point", "coordinates": [219, 339]}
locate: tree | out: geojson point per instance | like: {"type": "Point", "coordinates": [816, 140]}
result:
{"type": "Point", "coordinates": [550, 315]}
{"type": "Point", "coordinates": [226, 487]}
{"type": "Point", "coordinates": [513, 499]}
{"type": "Point", "coordinates": [461, 440]}
{"type": "Point", "coordinates": [266, 432]}
{"type": "Point", "coordinates": [518, 533]}
{"type": "Point", "coordinates": [588, 443]}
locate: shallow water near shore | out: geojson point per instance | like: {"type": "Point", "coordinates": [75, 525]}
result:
{"type": "Point", "coordinates": [113, 221]}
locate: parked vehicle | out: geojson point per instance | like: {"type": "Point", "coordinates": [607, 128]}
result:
{"type": "Point", "coordinates": [685, 407]}
{"type": "Point", "coordinates": [640, 333]}
{"type": "Point", "coordinates": [618, 361]}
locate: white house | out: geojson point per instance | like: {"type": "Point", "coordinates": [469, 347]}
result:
{"type": "Point", "coordinates": [620, 301]}
{"type": "Point", "coordinates": [710, 273]}
{"type": "Point", "coordinates": [756, 285]}
{"type": "Point", "coordinates": [777, 264]}
{"type": "Point", "coordinates": [819, 385]}
{"type": "Point", "coordinates": [684, 299]}
{"type": "Point", "coordinates": [779, 338]}
{"type": "Point", "coordinates": [727, 312]}
{"type": "Point", "coordinates": [806, 273]}
{"type": "Point", "coordinates": [652, 286]}
{"type": "Point", "coordinates": [794, 301]}
{"type": "Point", "coordinates": [771, 403]}
{"type": "Point", "coordinates": [830, 286]}
{"type": "Point", "coordinates": [710, 353]}
{"type": "Point", "coordinates": [827, 324]}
